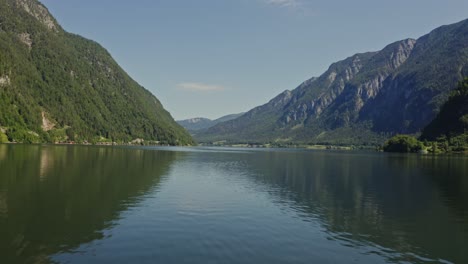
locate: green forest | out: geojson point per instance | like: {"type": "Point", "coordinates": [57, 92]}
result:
{"type": "Point", "coordinates": [448, 132]}
{"type": "Point", "coordinates": [60, 87]}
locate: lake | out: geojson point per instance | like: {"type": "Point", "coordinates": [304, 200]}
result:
{"type": "Point", "coordinates": [86, 204]}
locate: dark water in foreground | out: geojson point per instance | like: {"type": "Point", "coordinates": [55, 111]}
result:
{"type": "Point", "coordinates": [134, 205]}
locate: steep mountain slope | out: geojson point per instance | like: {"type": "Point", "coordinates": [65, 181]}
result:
{"type": "Point", "coordinates": [55, 85]}
{"type": "Point", "coordinates": [413, 95]}
{"type": "Point", "coordinates": [200, 123]}
{"type": "Point", "coordinates": [452, 121]}
{"type": "Point", "coordinates": [363, 99]}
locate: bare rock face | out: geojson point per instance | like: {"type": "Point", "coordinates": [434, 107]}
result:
{"type": "Point", "coordinates": [323, 90]}
{"type": "Point", "coordinates": [346, 86]}
{"type": "Point", "coordinates": [5, 80]}
{"type": "Point", "coordinates": [282, 99]}
{"type": "Point", "coordinates": [196, 120]}
{"type": "Point", "coordinates": [398, 89]}
{"type": "Point", "coordinates": [26, 39]}
{"type": "Point", "coordinates": [47, 125]}
{"type": "Point", "coordinates": [367, 84]}
{"type": "Point", "coordinates": [40, 12]}
{"type": "Point", "coordinates": [401, 52]}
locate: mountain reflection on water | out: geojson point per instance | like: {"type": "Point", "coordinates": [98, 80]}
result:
{"type": "Point", "coordinates": [198, 205]}
{"type": "Point", "coordinates": [399, 204]}
{"type": "Point", "coordinates": [52, 199]}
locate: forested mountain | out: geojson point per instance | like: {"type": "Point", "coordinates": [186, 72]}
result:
{"type": "Point", "coordinates": [452, 121]}
{"type": "Point", "coordinates": [57, 86]}
{"type": "Point", "coordinates": [200, 123]}
{"type": "Point", "coordinates": [363, 99]}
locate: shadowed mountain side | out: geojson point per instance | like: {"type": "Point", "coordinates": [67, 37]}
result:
{"type": "Point", "coordinates": [452, 121]}
{"type": "Point", "coordinates": [75, 194]}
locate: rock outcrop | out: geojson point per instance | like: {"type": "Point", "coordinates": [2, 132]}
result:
{"type": "Point", "coordinates": [363, 99]}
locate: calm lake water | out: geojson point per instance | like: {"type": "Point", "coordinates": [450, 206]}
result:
{"type": "Point", "coordinates": [76, 204]}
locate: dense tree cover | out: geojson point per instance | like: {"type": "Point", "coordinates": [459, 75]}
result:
{"type": "Point", "coordinates": [403, 143]}
{"type": "Point", "coordinates": [452, 120]}
{"type": "Point", "coordinates": [74, 83]}
{"type": "Point", "coordinates": [450, 128]}
{"type": "Point", "coordinates": [448, 132]}
{"type": "Point", "coordinates": [3, 138]}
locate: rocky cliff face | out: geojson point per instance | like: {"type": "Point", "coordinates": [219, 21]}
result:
{"type": "Point", "coordinates": [367, 84]}
{"type": "Point", "coordinates": [40, 12]}
{"type": "Point", "coordinates": [364, 98]}
{"type": "Point", "coordinates": [312, 98]}
{"type": "Point", "coordinates": [412, 96]}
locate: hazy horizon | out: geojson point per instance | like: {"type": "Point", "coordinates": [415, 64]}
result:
{"type": "Point", "coordinates": [211, 58]}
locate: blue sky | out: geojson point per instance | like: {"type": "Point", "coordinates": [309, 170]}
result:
{"type": "Point", "coordinates": [209, 58]}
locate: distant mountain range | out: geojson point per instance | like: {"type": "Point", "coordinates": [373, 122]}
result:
{"type": "Point", "coordinates": [363, 99]}
{"type": "Point", "coordinates": [57, 86]}
{"type": "Point", "coordinates": [200, 123]}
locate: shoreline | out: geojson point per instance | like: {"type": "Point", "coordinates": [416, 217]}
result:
{"type": "Point", "coordinates": [240, 146]}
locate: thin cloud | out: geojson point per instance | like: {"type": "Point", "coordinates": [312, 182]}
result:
{"type": "Point", "coordinates": [284, 3]}
{"type": "Point", "coordinates": [200, 87]}
{"type": "Point", "coordinates": [304, 8]}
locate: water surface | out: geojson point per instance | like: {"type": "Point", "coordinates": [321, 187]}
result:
{"type": "Point", "coordinates": [74, 204]}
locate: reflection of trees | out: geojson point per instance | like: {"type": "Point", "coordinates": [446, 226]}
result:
{"type": "Point", "coordinates": [450, 173]}
{"type": "Point", "coordinates": [3, 152]}
{"type": "Point", "coordinates": [53, 199]}
{"type": "Point", "coordinates": [391, 201]}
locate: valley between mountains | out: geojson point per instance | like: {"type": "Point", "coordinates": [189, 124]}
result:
{"type": "Point", "coordinates": [58, 87]}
